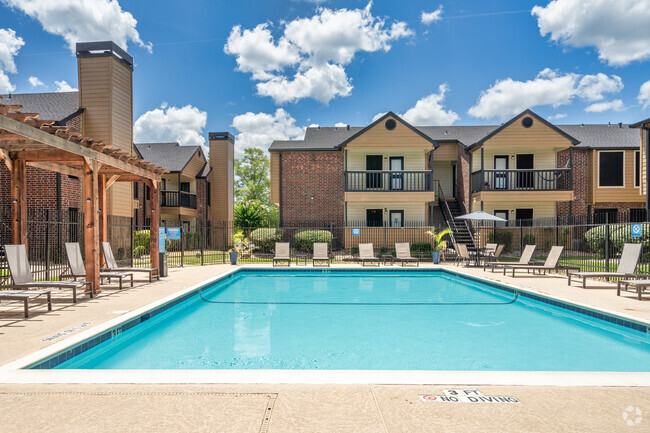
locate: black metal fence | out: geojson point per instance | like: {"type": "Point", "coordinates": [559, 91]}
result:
{"type": "Point", "coordinates": [592, 243]}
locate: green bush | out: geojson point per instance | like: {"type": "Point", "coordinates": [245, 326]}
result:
{"type": "Point", "coordinates": [192, 240]}
{"type": "Point", "coordinates": [304, 239]}
{"type": "Point", "coordinates": [139, 251]}
{"type": "Point", "coordinates": [595, 239]}
{"type": "Point", "coordinates": [265, 239]}
{"type": "Point", "coordinates": [422, 248]}
{"type": "Point", "coordinates": [502, 238]}
{"type": "Point", "coordinates": [529, 239]}
{"type": "Point", "coordinates": [354, 250]}
{"type": "Point", "coordinates": [622, 235]}
{"type": "Point", "coordinates": [141, 239]}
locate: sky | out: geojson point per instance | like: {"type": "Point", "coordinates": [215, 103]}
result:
{"type": "Point", "coordinates": [266, 70]}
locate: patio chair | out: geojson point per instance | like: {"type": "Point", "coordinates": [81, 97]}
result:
{"type": "Point", "coordinates": [626, 266]}
{"type": "Point", "coordinates": [367, 254]}
{"type": "Point", "coordinates": [494, 255]}
{"type": "Point", "coordinates": [551, 263]}
{"type": "Point", "coordinates": [25, 296]}
{"type": "Point", "coordinates": [111, 264]}
{"type": "Point", "coordinates": [320, 254]}
{"type": "Point", "coordinates": [282, 253]}
{"type": "Point", "coordinates": [524, 259]}
{"type": "Point", "coordinates": [76, 268]}
{"type": "Point", "coordinates": [462, 253]}
{"type": "Point", "coordinates": [21, 274]}
{"type": "Point", "coordinates": [403, 254]}
{"type": "Point", "coordinates": [490, 249]}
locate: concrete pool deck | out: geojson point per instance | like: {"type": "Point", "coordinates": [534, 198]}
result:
{"type": "Point", "coordinates": [241, 407]}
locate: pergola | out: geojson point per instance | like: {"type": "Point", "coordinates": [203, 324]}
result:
{"type": "Point", "coordinates": [26, 140]}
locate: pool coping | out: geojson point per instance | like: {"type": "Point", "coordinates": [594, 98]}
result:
{"type": "Point", "coordinates": [15, 372]}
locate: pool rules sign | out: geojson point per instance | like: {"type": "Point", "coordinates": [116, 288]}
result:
{"type": "Point", "coordinates": [466, 396]}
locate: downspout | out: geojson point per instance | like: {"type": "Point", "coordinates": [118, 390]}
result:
{"type": "Point", "coordinates": [469, 183]}
{"type": "Point", "coordinates": [280, 185]}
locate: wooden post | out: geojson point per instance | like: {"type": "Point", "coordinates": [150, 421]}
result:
{"type": "Point", "coordinates": [91, 222]}
{"type": "Point", "coordinates": [19, 202]}
{"type": "Point", "coordinates": [103, 213]}
{"type": "Point", "coordinates": [154, 203]}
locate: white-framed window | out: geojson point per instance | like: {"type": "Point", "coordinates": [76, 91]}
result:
{"type": "Point", "coordinates": [637, 168]}
{"type": "Point", "coordinates": [611, 169]}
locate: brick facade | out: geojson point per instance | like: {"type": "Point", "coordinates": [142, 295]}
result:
{"type": "Point", "coordinates": [202, 207]}
{"type": "Point", "coordinates": [580, 173]}
{"type": "Point", "coordinates": [318, 174]}
{"type": "Point", "coordinates": [463, 177]}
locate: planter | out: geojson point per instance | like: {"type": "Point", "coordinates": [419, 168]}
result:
{"type": "Point", "coordinates": [435, 255]}
{"type": "Point", "coordinates": [233, 257]}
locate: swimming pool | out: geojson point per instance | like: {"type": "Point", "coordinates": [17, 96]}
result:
{"type": "Point", "coordinates": [364, 320]}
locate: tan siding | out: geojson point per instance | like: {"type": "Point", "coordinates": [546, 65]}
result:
{"type": "Point", "coordinates": [446, 152]}
{"type": "Point", "coordinates": [414, 212]}
{"type": "Point", "coordinates": [538, 135]}
{"type": "Point", "coordinates": [222, 154]}
{"type": "Point", "coordinates": [119, 199]}
{"type": "Point", "coordinates": [414, 160]}
{"type": "Point", "coordinates": [626, 194]}
{"type": "Point", "coordinates": [275, 178]}
{"type": "Point", "coordinates": [442, 172]}
{"type": "Point", "coordinates": [195, 165]}
{"type": "Point", "coordinates": [378, 137]}
{"type": "Point", "coordinates": [542, 159]}
{"type": "Point", "coordinates": [372, 196]}
{"type": "Point", "coordinates": [517, 196]}
{"type": "Point", "coordinates": [540, 209]}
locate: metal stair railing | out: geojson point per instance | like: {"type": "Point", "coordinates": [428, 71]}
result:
{"type": "Point", "coordinates": [441, 197]}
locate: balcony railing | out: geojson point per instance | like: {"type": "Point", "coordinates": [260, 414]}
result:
{"type": "Point", "coordinates": [177, 199]}
{"type": "Point", "coordinates": [556, 179]}
{"type": "Point", "coordinates": [375, 180]}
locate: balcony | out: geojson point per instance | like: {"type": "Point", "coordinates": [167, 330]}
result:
{"type": "Point", "coordinates": [177, 199]}
{"type": "Point", "coordinates": [388, 181]}
{"type": "Point", "coordinates": [556, 179]}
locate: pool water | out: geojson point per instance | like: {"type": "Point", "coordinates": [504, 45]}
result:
{"type": "Point", "coordinates": [368, 320]}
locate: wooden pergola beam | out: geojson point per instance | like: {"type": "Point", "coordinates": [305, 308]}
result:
{"type": "Point", "coordinates": [49, 156]}
{"type": "Point", "coordinates": [4, 155]}
{"type": "Point", "coordinates": [58, 168]}
{"type": "Point", "coordinates": [91, 224]}
{"type": "Point", "coordinates": [19, 202]}
{"type": "Point", "coordinates": [60, 143]}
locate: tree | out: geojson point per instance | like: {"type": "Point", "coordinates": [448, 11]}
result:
{"type": "Point", "coordinates": [252, 176]}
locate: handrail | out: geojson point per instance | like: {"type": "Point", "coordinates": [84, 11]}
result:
{"type": "Point", "coordinates": [552, 179]}
{"type": "Point", "coordinates": [441, 196]}
{"type": "Point", "coordinates": [391, 180]}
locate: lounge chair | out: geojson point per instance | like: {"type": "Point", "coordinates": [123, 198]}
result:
{"type": "Point", "coordinates": [403, 254]}
{"type": "Point", "coordinates": [493, 256]}
{"type": "Point", "coordinates": [640, 285]}
{"type": "Point", "coordinates": [77, 269]}
{"type": "Point", "coordinates": [549, 265]}
{"type": "Point", "coordinates": [21, 274]}
{"type": "Point", "coordinates": [524, 259]}
{"type": "Point", "coordinates": [320, 254]}
{"type": "Point", "coordinates": [282, 253]}
{"type": "Point", "coordinates": [490, 249]}
{"type": "Point", "coordinates": [626, 266]}
{"type": "Point", "coordinates": [462, 253]}
{"type": "Point", "coordinates": [25, 296]}
{"type": "Point", "coordinates": [367, 254]}
{"type": "Point", "coordinates": [111, 264]}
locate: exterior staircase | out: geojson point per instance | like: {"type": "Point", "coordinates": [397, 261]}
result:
{"type": "Point", "coordinates": [461, 232]}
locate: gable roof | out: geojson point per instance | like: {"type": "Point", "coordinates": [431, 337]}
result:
{"type": "Point", "coordinates": [641, 123]}
{"type": "Point", "coordinates": [616, 136]}
{"type": "Point", "coordinates": [170, 156]}
{"type": "Point", "coordinates": [58, 106]}
{"type": "Point", "coordinates": [511, 121]}
{"type": "Point", "coordinates": [381, 119]}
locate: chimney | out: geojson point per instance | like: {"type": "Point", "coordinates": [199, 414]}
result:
{"type": "Point", "coordinates": [620, 124]}
{"type": "Point", "coordinates": [106, 94]}
{"type": "Point", "coordinates": [348, 127]}
{"type": "Point", "coordinates": [222, 176]}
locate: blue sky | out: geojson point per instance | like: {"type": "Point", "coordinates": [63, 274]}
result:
{"type": "Point", "coordinates": [393, 61]}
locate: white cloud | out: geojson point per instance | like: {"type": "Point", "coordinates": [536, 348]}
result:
{"type": "Point", "coordinates": [557, 116]}
{"type": "Point", "coordinates": [308, 59]}
{"type": "Point", "coordinates": [340, 124]}
{"type": "Point", "coordinates": [430, 17]}
{"type": "Point", "coordinates": [62, 86]}
{"type": "Point", "coordinates": [10, 44]}
{"type": "Point", "coordinates": [260, 129]}
{"type": "Point", "coordinates": [167, 124]}
{"type": "Point", "coordinates": [83, 20]}
{"type": "Point", "coordinates": [35, 81]}
{"type": "Point", "coordinates": [644, 95]}
{"type": "Point", "coordinates": [430, 110]}
{"type": "Point", "coordinates": [618, 29]}
{"type": "Point", "coordinates": [599, 107]}
{"type": "Point", "coordinates": [509, 97]}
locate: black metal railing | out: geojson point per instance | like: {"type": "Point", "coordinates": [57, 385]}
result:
{"type": "Point", "coordinates": [177, 199]}
{"type": "Point", "coordinates": [375, 180]}
{"type": "Point", "coordinates": [556, 179]}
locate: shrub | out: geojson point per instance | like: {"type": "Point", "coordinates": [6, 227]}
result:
{"type": "Point", "coordinates": [265, 239]}
{"type": "Point", "coordinates": [141, 239]}
{"type": "Point", "coordinates": [503, 238]}
{"type": "Point", "coordinates": [622, 234]}
{"type": "Point", "coordinates": [595, 239]}
{"type": "Point", "coordinates": [192, 240]}
{"type": "Point", "coordinates": [529, 239]}
{"type": "Point", "coordinates": [354, 250]}
{"type": "Point", "coordinates": [304, 239]}
{"type": "Point", "coordinates": [421, 248]}
{"type": "Point", "coordinates": [139, 251]}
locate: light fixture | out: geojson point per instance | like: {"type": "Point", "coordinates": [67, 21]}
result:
{"type": "Point", "coordinates": [512, 157]}
{"type": "Point", "coordinates": [14, 201]}
{"type": "Point", "coordinates": [88, 200]}
{"type": "Point", "coordinates": [312, 197]}
{"type": "Point", "coordinates": [512, 211]}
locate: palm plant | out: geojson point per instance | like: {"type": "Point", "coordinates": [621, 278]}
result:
{"type": "Point", "coordinates": [437, 243]}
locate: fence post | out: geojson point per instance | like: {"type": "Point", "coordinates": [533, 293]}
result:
{"type": "Point", "coordinates": [557, 234]}
{"type": "Point", "coordinates": [607, 243]}
{"type": "Point", "coordinates": [132, 246]}
{"type": "Point", "coordinates": [521, 236]}
{"type": "Point", "coordinates": [225, 246]}
{"type": "Point", "coordinates": [47, 245]}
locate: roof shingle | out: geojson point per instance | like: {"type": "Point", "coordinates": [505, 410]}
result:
{"type": "Point", "coordinates": [51, 106]}
{"type": "Point", "coordinates": [170, 156]}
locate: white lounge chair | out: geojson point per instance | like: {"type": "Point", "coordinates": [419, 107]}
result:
{"type": "Point", "coordinates": [320, 254]}
{"type": "Point", "coordinates": [626, 266]}
{"type": "Point", "coordinates": [282, 253]}
{"type": "Point", "coordinates": [76, 268]}
{"type": "Point", "coordinates": [25, 296]}
{"type": "Point", "coordinates": [367, 254]}
{"type": "Point", "coordinates": [111, 264]}
{"type": "Point", "coordinates": [403, 254]}
{"type": "Point", "coordinates": [524, 259]}
{"type": "Point", "coordinates": [549, 265]}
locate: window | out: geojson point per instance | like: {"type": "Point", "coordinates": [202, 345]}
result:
{"type": "Point", "coordinates": [602, 216]}
{"type": "Point", "coordinates": [637, 215]}
{"type": "Point", "coordinates": [136, 187]}
{"type": "Point", "coordinates": [524, 217]}
{"type": "Point", "coordinates": [501, 214]}
{"type": "Point", "coordinates": [207, 190]}
{"type": "Point", "coordinates": [637, 169]}
{"type": "Point", "coordinates": [185, 186]}
{"type": "Point", "coordinates": [374, 218]}
{"type": "Point", "coordinates": [610, 169]}
{"type": "Point", "coordinates": [396, 218]}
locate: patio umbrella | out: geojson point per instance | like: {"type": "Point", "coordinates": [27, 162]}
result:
{"type": "Point", "coordinates": [480, 216]}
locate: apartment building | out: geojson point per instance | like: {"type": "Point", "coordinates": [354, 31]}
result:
{"type": "Point", "coordinates": [394, 174]}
